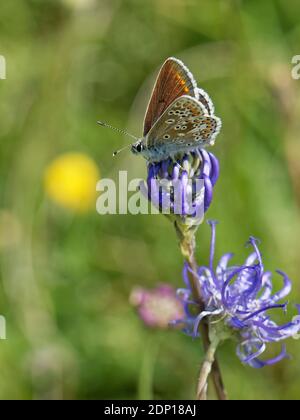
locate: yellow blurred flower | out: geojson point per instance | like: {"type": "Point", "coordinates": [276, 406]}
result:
{"type": "Point", "coordinates": [70, 181]}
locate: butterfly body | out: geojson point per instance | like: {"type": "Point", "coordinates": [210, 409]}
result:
{"type": "Point", "coordinates": [154, 154]}
{"type": "Point", "coordinates": [180, 116]}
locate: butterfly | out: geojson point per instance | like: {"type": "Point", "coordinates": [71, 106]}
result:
{"type": "Point", "coordinates": [179, 118]}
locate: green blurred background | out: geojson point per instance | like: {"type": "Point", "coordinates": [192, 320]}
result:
{"type": "Point", "coordinates": [66, 274]}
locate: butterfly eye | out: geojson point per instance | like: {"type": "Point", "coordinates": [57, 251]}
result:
{"type": "Point", "coordinates": [137, 147]}
{"type": "Point", "coordinates": [166, 136]}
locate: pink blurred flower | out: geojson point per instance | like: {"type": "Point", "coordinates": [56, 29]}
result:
{"type": "Point", "coordinates": [157, 307]}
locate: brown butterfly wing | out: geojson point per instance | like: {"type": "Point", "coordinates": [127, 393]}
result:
{"type": "Point", "coordinates": [206, 101]}
{"type": "Point", "coordinates": [186, 122]}
{"type": "Point", "coordinates": [173, 81]}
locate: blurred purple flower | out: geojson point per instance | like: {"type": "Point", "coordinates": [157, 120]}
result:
{"type": "Point", "coordinates": [237, 300]}
{"type": "Point", "coordinates": [157, 307]}
{"type": "Point", "coordinates": [183, 187]}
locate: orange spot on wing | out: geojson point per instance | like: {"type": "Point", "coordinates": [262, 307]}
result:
{"type": "Point", "coordinates": [186, 89]}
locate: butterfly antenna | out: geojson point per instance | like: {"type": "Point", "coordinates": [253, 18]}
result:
{"type": "Point", "coordinates": [121, 150]}
{"type": "Point", "coordinates": [118, 130]}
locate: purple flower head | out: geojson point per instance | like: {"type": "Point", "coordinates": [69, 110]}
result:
{"type": "Point", "coordinates": [238, 299]}
{"type": "Point", "coordinates": [157, 307]}
{"type": "Point", "coordinates": [182, 188]}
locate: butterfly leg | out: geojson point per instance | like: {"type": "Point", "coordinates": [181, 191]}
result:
{"type": "Point", "coordinates": [175, 161]}
{"type": "Point", "coordinates": [198, 153]}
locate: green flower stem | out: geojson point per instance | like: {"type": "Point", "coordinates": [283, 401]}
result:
{"type": "Point", "coordinates": [206, 370]}
{"type": "Point", "coordinates": [187, 245]}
